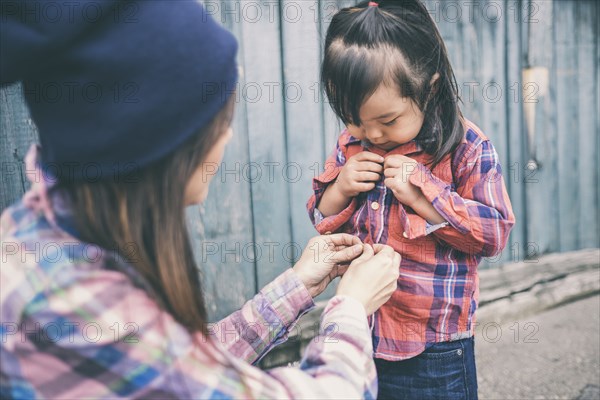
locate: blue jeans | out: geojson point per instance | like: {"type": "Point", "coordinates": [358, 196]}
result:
{"type": "Point", "coordinates": [443, 371]}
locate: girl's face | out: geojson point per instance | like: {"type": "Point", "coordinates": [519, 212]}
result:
{"type": "Point", "coordinates": [388, 120]}
{"type": "Point", "coordinates": [196, 190]}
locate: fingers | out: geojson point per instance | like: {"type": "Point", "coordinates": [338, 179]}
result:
{"type": "Point", "coordinates": [392, 172]}
{"type": "Point", "coordinates": [342, 239]}
{"type": "Point", "coordinates": [397, 259]}
{"type": "Point", "coordinates": [377, 247]}
{"type": "Point", "coordinates": [394, 161]}
{"type": "Point", "coordinates": [347, 254]}
{"type": "Point", "coordinates": [367, 176]}
{"type": "Point", "coordinates": [341, 269]}
{"type": "Point", "coordinates": [368, 156]}
{"type": "Point", "coordinates": [368, 166]}
{"type": "Point", "coordinates": [367, 253]}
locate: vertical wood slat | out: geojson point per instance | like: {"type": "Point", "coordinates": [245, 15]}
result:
{"type": "Point", "coordinates": [17, 132]}
{"type": "Point", "coordinates": [493, 87]}
{"type": "Point", "coordinates": [588, 127]}
{"type": "Point", "coordinates": [265, 122]}
{"type": "Point", "coordinates": [513, 170]}
{"type": "Point", "coordinates": [222, 228]}
{"type": "Point", "coordinates": [301, 61]}
{"type": "Point", "coordinates": [541, 186]}
{"type": "Point", "coordinates": [566, 123]}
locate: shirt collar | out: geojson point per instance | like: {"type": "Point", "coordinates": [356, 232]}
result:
{"type": "Point", "coordinates": [404, 149]}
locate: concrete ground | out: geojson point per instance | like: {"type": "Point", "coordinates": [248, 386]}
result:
{"type": "Point", "coordinates": [552, 355]}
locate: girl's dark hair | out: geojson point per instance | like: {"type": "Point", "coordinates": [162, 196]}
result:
{"type": "Point", "coordinates": [147, 211]}
{"type": "Point", "coordinates": [394, 43]}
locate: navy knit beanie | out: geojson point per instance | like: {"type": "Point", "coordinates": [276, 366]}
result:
{"type": "Point", "coordinates": [115, 85]}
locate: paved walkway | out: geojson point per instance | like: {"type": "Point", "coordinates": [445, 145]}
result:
{"type": "Point", "coordinates": [553, 355]}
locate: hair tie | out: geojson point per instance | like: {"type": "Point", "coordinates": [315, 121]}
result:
{"type": "Point", "coordinates": [373, 4]}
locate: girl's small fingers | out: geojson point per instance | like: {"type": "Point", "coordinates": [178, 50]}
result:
{"type": "Point", "coordinates": [392, 162]}
{"type": "Point", "coordinates": [390, 183]}
{"type": "Point", "coordinates": [367, 176]}
{"type": "Point", "coordinates": [362, 186]}
{"type": "Point", "coordinates": [391, 172]}
{"type": "Point", "coordinates": [369, 166]}
{"type": "Point", "coordinates": [368, 156]}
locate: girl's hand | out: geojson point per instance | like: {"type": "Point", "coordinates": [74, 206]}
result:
{"type": "Point", "coordinates": [372, 278]}
{"type": "Point", "coordinates": [397, 170]}
{"type": "Point", "coordinates": [359, 174]}
{"type": "Point", "coordinates": [325, 258]}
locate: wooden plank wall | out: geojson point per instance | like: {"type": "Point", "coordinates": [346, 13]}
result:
{"type": "Point", "coordinates": [255, 223]}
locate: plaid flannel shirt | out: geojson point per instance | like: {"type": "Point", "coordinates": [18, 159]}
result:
{"type": "Point", "coordinates": [437, 291]}
{"type": "Point", "coordinates": [77, 321]}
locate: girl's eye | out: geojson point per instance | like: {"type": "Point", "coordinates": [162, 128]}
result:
{"type": "Point", "coordinates": [390, 123]}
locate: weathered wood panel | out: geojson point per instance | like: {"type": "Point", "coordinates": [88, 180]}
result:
{"type": "Point", "coordinates": [516, 138]}
{"type": "Point", "coordinates": [301, 60]}
{"type": "Point", "coordinates": [567, 93]}
{"type": "Point", "coordinates": [588, 123]}
{"type": "Point", "coordinates": [262, 62]}
{"type": "Point", "coordinates": [17, 131]}
{"type": "Point", "coordinates": [541, 183]}
{"type": "Point", "coordinates": [222, 228]}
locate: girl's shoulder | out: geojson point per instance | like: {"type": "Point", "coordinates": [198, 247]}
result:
{"type": "Point", "coordinates": [473, 134]}
{"type": "Point", "coordinates": [472, 140]}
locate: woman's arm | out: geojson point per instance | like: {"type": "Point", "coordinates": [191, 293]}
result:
{"type": "Point", "coordinates": [116, 341]}
{"type": "Point", "coordinates": [264, 322]}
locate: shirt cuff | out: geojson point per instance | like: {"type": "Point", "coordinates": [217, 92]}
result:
{"type": "Point", "coordinates": [289, 300]}
{"type": "Point", "coordinates": [334, 222]}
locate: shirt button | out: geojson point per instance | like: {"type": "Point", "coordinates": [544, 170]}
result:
{"type": "Point", "coordinates": [405, 234]}
{"type": "Point", "coordinates": [375, 205]}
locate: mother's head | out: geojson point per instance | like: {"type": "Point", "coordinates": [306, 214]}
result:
{"type": "Point", "coordinates": [136, 108]}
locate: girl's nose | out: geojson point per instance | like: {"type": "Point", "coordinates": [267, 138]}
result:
{"type": "Point", "coordinates": [373, 134]}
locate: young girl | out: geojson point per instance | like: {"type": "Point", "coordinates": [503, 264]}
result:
{"type": "Point", "coordinates": [409, 171]}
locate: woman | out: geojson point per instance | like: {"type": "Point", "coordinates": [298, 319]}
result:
{"type": "Point", "coordinates": [100, 296]}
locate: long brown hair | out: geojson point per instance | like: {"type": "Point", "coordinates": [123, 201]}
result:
{"type": "Point", "coordinates": [147, 209]}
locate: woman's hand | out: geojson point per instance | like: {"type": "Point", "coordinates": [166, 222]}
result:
{"type": "Point", "coordinates": [325, 258]}
{"type": "Point", "coordinates": [372, 277]}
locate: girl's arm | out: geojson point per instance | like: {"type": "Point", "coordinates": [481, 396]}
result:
{"type": "Point", "coordinates": [478, 215]}
{"type": "Point", "coordinates": [330, 216]}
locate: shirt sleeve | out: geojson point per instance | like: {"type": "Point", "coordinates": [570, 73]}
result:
{"type": "Point", "coordinates": [333, 166]}
{"type": "Point", "coordinates": [478, 213]}
{"type": "Point", "coordinates": [265, 321]}
{"type": "Point", "coordinates": [116, 341]}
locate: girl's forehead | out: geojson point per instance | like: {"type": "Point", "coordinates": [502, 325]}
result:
{"type": "Point", "coordinates": [386, 101]}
